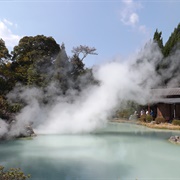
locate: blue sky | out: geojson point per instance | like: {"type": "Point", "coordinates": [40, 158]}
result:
{"type": "Point", "coordinates": [115, 28]}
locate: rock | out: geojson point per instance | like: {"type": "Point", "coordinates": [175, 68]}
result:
{"type": "Point", "coordinates": [30, 131]}
{"type": "Point", "coordinates": [153, 122]}
{"type": "Point", "coordinates": [20, 131]}
{"type": "Point", "coordinates": [174, 139]}
{"type": "Point", "coordinates": [27, 132]}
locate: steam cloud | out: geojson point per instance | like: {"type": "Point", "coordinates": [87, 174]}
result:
{"type": "Point", "coordinates": [120, 81]}
{"type": "Point", "coordinates": [3, 127]}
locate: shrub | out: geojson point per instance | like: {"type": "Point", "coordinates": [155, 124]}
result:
{"type": "Point", "coordinates": [124, 113]}
{"type": "Point", "coordinates": [159, 120]}
{"type": "Point", "coordinates": [149, 118]}
{"type": "Point", "coordinates": [15, 107]}
{"type": "Point", "coordinates": [142, 118]}
{"type": "Point", "coordinates": [176, 122]}
{"type": "Point", "coordinates": [12, 174]}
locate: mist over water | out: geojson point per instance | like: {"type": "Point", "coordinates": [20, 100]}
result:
{"type": "Point", "coordinates": [119, 151]}
{"type": "Point", "coordinates": [119, 81]}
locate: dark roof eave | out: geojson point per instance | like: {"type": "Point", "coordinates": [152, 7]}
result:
{"type": "Point", "coordinates": [166, 100]}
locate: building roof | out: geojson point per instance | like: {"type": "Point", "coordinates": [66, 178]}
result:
{"type": "Point", "coordinates": [166, 92]}
{"type": "Point", "coordinates": [161, 95]}
{"type": "Point", "coordinates": [168, 100]}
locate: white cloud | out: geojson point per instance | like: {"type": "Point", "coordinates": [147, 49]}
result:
{"type": "Point", "coordinates": [7, 22]}
{"type": "Point", "coordinates": [143, 29]}
{"type": "Point", "coordinates": [127, 1]}
{"type": "Point", "coordinates": [7, 35]}
{"type": "Point", "coordinates": [129, 15]}
{"type": "Point", "coordinates": [134, 18]}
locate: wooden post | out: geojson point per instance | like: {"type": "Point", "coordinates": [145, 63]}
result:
{"type": "Point", "coordinates": [149, 109]}
{"type": "Point", "coordinates": [174, 111]}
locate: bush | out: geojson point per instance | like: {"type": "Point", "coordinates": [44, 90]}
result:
{"type": "Point", "coordinates": [15, 107]}
{"type": "Point", "coordinates": [149, 118]}
{"type": "Point", "coordinates": [176, 122]}
{"type": "Point", "coordinates": [124, 113]}
{"type": "Point", "coordinates": [142, 118]}
{"type": "Point", "coordinates": [12, 174]}
{"type": "Point", "coordinates": [159, 120]}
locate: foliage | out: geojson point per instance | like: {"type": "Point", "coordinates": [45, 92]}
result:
{"type": "Point", "coordinates": [33, 58]}
{"type": "Point", "coordinates": [168, 67]}
{"type": "Point", "coordinates": [127, 110]}
{"type": "Point", "coordinates": [62, 70]}
{"type": "Point", "coordinates": [3, 108]}
{"type": "Point", "coordinates": [176, 122]}
{"type": "Point", "coordinates": [6, 76]}
{"type": "Point", "coordinates": [142, 118]}
{"type": "Point", "coordinates": [159, 120]}
{"type": "Point", "coordinates": [158, 39]}
{"type": "Point", "coordinates": [15, 107]}
{"type": "Point", "coordinates": [4, 53]}
{"type": "Point", "coordinates": [149, 118]}
{"type": "Point", "coordinates": [12, 174]}
{"type": "Point", "coordinates": [125, 113]}
{"type": "Point", "coordinates": [172, 41]}
{"type": "Point", "coordinates": [77, 67]}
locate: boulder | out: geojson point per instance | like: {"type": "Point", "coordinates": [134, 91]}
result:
{"type": "Point", "coordinates": [174, 139]}
{"type": "Point", "coordinates": [27, 132]}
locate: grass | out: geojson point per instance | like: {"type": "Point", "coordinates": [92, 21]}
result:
{"type": "Point", "coordinates": [160, 126]}
{"type": "Point", "coordinates": [167, 126]}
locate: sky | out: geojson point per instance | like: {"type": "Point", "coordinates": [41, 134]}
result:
{"type": "Point", "coordinates": [116, 28]}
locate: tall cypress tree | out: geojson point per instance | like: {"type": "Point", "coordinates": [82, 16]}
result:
{"type": "Point", "coordinates": [158, 39]}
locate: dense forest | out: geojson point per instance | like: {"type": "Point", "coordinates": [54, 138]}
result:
{"type": "Point", "coordinates": [38, 61]}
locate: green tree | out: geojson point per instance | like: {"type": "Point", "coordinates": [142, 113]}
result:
{"type": "Point", "coordinates": [6, 75]}
{"type": "Point", "coordinates": [61, 70]}
{"type": "Point", "coordinates": [158, 39]}
{"type": "Point", "coordinates": [173, 42]}
{"type": "Point", "coordinates": [81, 76]}
{"type": "Point", "coordinates": [32, 56]}
{"type": "Point", "coordinates": [77, 67]}
{"type": "Point", "coordinates": [4, 53]}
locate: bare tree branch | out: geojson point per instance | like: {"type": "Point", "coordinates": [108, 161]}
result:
{"type": "Point", "coordinates": [85, 50]}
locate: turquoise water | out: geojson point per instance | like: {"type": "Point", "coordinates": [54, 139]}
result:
{"type": "Point", "coordinates": [119, 151]}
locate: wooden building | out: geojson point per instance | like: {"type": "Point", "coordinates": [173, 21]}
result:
{"type": "Point", "coordinates": [166, 103]}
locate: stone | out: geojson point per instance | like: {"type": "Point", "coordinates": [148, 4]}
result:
{"type": "Point", "coordinates": [174, 139]}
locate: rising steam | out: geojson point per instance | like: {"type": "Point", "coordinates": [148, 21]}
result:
{"type": "Point", "coordinates": [119, 81]}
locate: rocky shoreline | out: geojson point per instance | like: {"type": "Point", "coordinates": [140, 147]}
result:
{"type": "Point", "coordinates": [12, 131]}
{"type": "Point", "coordinates": [167, 126]}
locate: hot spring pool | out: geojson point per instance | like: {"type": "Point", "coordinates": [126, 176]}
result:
{"type": "Point", "coordinates": [119, 151]}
